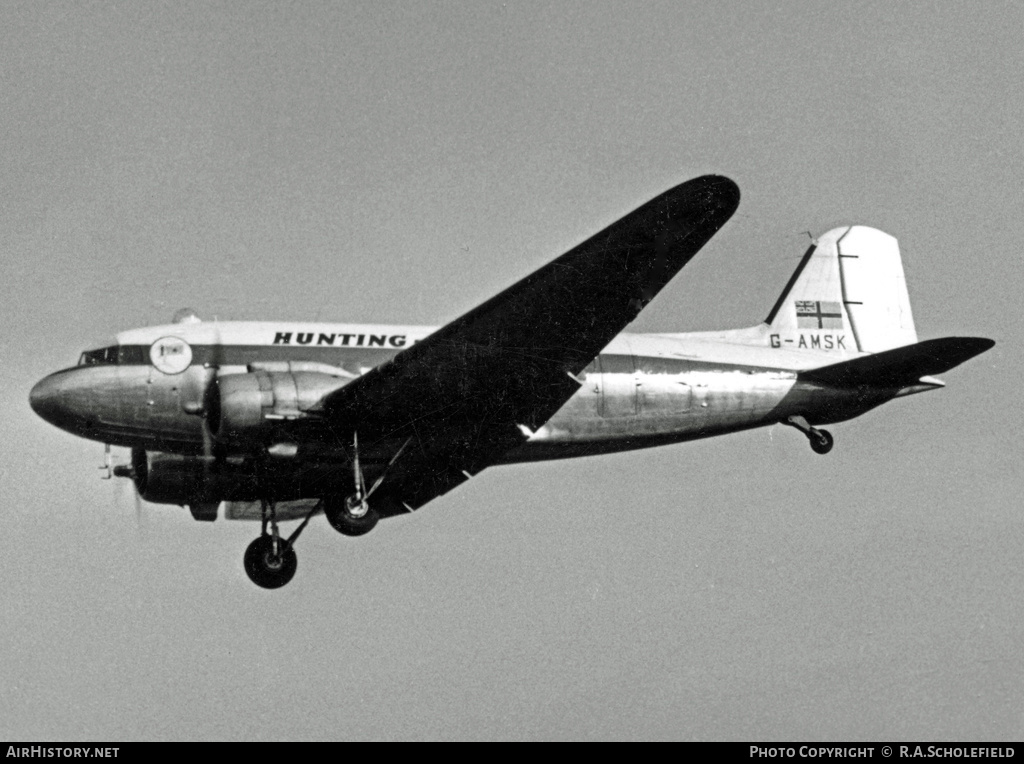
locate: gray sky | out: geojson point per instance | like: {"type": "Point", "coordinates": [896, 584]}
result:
{"type": "Point", "coordinates": [402, 163]}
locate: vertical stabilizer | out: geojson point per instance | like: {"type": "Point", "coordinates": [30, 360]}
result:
{"type": "Point", "coordinates": [848, 294]}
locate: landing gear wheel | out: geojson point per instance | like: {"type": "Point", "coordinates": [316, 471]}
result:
{"type": "Point", "coordinates": [352, 521]}
{"type": "Point", "coordinates": [266, 569]}
{"type": "Point", "coordinates": [821, 441]}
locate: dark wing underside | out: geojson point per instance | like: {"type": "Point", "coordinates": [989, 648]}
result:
{"type": "Point", "coordinates": [465, 393]}
{"type": "Point", "coordinates": [900, 366]}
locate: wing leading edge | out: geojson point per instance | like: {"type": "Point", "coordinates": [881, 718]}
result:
{"type": "Point", "coordinates": [465, 393]}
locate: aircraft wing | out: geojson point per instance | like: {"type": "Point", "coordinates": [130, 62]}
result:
{"type": "Point", "coordinates": [475, 388]}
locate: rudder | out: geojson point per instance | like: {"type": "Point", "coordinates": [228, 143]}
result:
{"type": "Point", "coordinates": [848, 286]}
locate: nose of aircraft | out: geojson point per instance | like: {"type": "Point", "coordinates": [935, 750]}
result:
{"type": "Point", "coordinates": [55, 399]}
{"type": "Point", "coordinates": [45, 399]}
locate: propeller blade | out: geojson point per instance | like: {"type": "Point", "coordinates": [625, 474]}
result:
{"type": "Point", "coordinates": [210, 401]}
{"type": "Point", "coordinates": [207, 440]}
{"type": "Point", "coordinates": [117, 496]}
{"type": "Point", "coordinates": [106, 463]}
{"type": "Point", "coordinates": [128, 477]}
{"type": "Point", "coordinates": [139, 522]}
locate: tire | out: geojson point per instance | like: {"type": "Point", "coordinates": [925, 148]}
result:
{"type": "Point", "coordinates": [343, 521]}
{"type": "Point", "coordinates": [266, 570]}
{"type": "Point", "coordinates": [821, 442]}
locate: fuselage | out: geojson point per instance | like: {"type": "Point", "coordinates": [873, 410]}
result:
{"type": "Point", "coordinates": [146, 390]}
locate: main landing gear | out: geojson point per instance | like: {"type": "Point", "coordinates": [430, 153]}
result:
{"type": "Point", "coordinates": [821, 440]}
{"type": "Point", "coordinates": [353, 516]}
{"type": "Point", "coordinates": [270, 561]}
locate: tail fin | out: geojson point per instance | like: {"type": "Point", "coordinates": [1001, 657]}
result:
{"type": "Point", "coordinates": [848, 293]}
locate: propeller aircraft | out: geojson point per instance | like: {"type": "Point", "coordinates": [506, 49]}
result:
{"type": "Point", "coordinates": [276, 421]}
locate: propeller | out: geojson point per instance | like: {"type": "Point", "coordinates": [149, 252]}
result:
{"type": "Point", "coordinates": [139, 521]}
{"type": "Point", "coordinates": [211, 400]}
{"type": "Point", "coordinates": [108, 472]}
{"type": "Point", "coordinates": [203, 399]}
{"type": "Point", "coordinates": [124, 471]}
{"type": "Point", "coordinates": [138, 507]}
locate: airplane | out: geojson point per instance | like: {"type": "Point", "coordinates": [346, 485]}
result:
{"type": "Point", "coordinates": [280, 421]}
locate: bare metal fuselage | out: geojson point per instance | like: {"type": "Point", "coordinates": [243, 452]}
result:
{"type": "Point", "coordinates": [642, 391]}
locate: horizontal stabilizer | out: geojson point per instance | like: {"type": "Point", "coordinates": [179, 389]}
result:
{"type": "Point", "coordinates": [900, 366]}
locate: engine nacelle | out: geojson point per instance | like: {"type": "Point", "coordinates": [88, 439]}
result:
{"type": "Point", "coordinates": [251, 407]}
{"type": "Point", "coordinates": [175, 479]}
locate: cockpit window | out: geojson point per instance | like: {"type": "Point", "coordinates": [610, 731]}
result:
{"type": "Point", "coordinates": [99, 357]}
{"type": "Point", "coordinates": [116, 355]}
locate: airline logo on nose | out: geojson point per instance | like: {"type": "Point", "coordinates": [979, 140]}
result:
{"type": "Point", "coordinates": [170, 355]}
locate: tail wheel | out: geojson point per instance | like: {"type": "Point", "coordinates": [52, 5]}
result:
{"type": "Point", "coordinates": [344, 520]}
{"type": "Point", "coordinates": [268, 568]}
{"type": "Point", "coordinates": [821, 441]}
